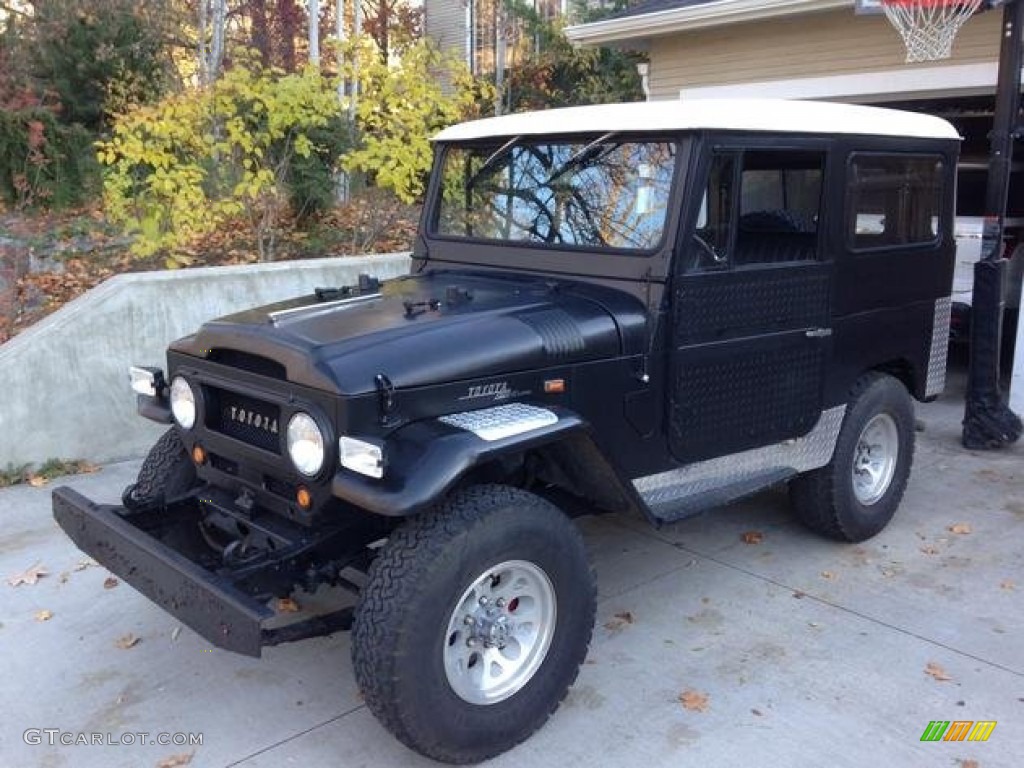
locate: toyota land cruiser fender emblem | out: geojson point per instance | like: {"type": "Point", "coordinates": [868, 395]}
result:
{"type": "Point", "coordinates": [498, 391]}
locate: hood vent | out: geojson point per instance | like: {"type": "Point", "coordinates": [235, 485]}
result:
{"type": "Point", "coordinates": [246, 361]}
{"type": "Point", "coordinates": [557, 330]}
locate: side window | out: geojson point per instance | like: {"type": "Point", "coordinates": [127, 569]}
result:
{"type": "Point", "coordinates": [767, 213]}
{"type": "Point", "coordinates": [780, 206]}
{"type": "Point", "coordinates": [895, 200]}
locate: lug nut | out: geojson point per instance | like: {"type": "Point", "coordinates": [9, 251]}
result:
{"type": "Point", "coordinates": [483, 601]}
{"type": "Point", "coordinates": [470, 621]}
{"type": "Point", "coordinates": [500, 602]}
{"type": "Point", "coordinates": [471, 642]}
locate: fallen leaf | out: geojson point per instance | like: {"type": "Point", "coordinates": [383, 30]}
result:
{"type": "Point", "coordinates": [30, 576]}
{"type": "Point", "coordinates": [694, 701]}
{"type": "Point", "coordinates": [127, 641]}
{"type": "Point", "coordinates": [929, 550]}
{"type": "Point", "coordinates": [618, 621]}
{"type": "Point", "coordinates": [752, 537]}
{"type": "Point", "coordinates": [287, 605]}
{"type": "Point", "coordinates": [828, 575]}
{"type": "Point", "coordinates": [960, 528]}
{"type": "Point", "coordinates": [87, 468]}
{"type": "Point", "coordinates": [86, 562]}
{"type": "Point", "coordinates": [1007, 584]}
{"type": "Point", "coordinates": [799, 594]}
{"type": "Point", "coordinates": [110, 582]}
{"type": "Point", "coordinates": [937, 672]}
{"type": "Point", "coordinates": [44, 615]}
{"type": "Point", "coordinates": [968, 763]}
{"type": "Point", "coordinates": [174, 761]}
{"type": "Point", "coordinates": [757, 712]}
{"type": "Point", "coordinates": [36, 481]}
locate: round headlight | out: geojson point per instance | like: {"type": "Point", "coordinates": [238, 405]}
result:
{"type": "Point", "coordinates": [305, 444]}
{"type": "Point", "coordinates": [183, 403]}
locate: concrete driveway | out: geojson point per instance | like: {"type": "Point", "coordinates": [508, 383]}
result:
{"type": "Point", "coordinates": [809, 653]}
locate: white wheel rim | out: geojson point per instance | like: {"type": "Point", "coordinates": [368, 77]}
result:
{"type": "Point", "coordinates": [499, 632]}
{"type": "Point", "coordinates": [874, 459]}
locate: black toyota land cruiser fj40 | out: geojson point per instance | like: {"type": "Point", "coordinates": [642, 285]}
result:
{"type": "Point", "coordinates": [647, 309]}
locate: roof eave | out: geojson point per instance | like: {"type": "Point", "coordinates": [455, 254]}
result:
{"type": "Point", "coordinates": [718, 13]}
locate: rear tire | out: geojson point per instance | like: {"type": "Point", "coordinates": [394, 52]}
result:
{"type": "Point", "coordinates": [474, 623]}
{"type": "Point", "coordinates": [855, 495]}
{"type": "Point", "coordinates": [166, 473]}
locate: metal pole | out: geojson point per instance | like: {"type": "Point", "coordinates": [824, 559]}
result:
{"type": "Point", "coordinates": [988, 421]}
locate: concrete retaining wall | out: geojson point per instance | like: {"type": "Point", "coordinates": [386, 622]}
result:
{"type": "Point", "coordinates": [64, 384]}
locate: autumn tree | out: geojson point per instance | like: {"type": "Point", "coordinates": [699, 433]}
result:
{"type": "Point", "coordinates": [181, 168]}
{"type": "Point", "coordinates": [393, 24]}
{"type": "Point", "coordinates": [96, 55]}
{"type": "Point", "coordinates": [545, 70]}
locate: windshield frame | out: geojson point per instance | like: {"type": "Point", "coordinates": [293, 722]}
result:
{"type": "Point", "coordinates": [434, 201]}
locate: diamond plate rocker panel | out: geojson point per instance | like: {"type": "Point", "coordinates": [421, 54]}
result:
{"type": "Point", "coordinates": [811, 451]}
{"type": "Point", "coordinates": [936, 380]}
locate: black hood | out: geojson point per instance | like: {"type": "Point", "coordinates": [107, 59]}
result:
{"type": "Point", "coordinates": [424, 329]}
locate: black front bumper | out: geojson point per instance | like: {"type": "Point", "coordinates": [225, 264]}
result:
{"type": "Point", "coordinates": [209, 604]}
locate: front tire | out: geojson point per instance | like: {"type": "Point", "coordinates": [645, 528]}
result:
{"type": "Point", "coordinates": [166, 473]}
{"type": "Point", "coordinates": [856, 495]}
{"type": "Point", "coordinates": [474, 622]}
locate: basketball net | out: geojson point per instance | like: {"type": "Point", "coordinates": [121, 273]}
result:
{"type": "Point", "coordinates": [928, 27]}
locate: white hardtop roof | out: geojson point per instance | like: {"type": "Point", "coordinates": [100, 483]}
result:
{"type": "Point", "coordinates": [763, 115]}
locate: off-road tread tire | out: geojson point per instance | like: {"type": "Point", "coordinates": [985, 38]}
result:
{"type": "Point", "coordinates": [167, 472]}
{"type": "Point", "coordinates": [395, 582]}
{"type": "Point", "coordinates": [823, 499]}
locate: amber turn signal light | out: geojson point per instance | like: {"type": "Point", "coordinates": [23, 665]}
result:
{"type": "Point", "coordinates": [198, 454]}
{"type": "Point", "coordinates": [304, 497]}
{"type": "Point", "coordinates": [554, 386]}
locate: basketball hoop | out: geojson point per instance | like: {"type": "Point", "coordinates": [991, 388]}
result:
{"type": "Point", "coordinates": [928, 27]}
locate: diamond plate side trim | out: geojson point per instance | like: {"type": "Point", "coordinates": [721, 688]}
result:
{"type": "Point", "coordinates": [936, 380]}
{"type": "Point", "coordinates": [501, 421]}
{"type": "Point", "coordinates": [803, 454]}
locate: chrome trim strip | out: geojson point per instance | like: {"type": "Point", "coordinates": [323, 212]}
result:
{"type": "Point", "coordinates": [312, 309]}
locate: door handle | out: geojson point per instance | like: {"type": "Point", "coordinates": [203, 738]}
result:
{"type": "Point", "coordinates": [818, 333]}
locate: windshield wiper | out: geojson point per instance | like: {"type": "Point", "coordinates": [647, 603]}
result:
{"type": "Point", "coordinates": [492, 159]}
{"type": "Point", "coordinates": [580, 156]}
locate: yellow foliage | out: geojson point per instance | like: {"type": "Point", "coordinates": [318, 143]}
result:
{"type": "Point", "coordinates": [177, 170]}
{"type": "Point", "coordinates": [401, 105]}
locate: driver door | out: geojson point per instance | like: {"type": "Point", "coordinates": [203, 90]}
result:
{"type": "Point", "coordinates": [751, 326]}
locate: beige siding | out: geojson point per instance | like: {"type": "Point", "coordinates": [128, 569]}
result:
{"type": "Point", "coordinates": [816, 45]}
{"type": "Point", "coordinates": [444, 21]}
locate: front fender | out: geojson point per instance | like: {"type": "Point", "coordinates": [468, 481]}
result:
{"type": "Point", "coordinates": [425, 460]}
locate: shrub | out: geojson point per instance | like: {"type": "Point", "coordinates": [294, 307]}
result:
{"type": "Point", "coordinates": [44, 163]}
{"type": "Point", "coordinates": [177, 170]}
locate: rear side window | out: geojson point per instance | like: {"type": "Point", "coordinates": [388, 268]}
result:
{"type": "Point", "coordinates": [895, 200]}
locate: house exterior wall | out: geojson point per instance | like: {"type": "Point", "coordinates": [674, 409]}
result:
{"type": "Point", "coordinates": [816, 45]}
{"type": "Point", "coordinates": [445, 22]}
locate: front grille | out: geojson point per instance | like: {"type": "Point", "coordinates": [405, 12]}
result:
{"type": "Point", "coordinates": [244, 418]}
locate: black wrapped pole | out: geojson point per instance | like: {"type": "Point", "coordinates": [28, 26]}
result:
{"type": "Point", "coordinates": [988, 421]}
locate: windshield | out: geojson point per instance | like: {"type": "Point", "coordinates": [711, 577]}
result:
{"type": "Point", "coordinates": [598, 193]}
